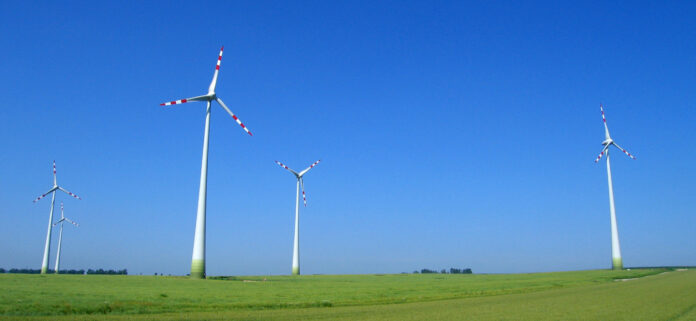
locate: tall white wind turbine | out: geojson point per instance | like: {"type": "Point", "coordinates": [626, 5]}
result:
{"type": "Point", "coordinates": [617, 263]}
{"type": "Point", "coordinates": [60, 235]}
{"type": "Point", "coordinates": [296, 243]}
{"type": "Point", "coordinates": [52, 191]}
{"type": "Point", "coordinates": [198, 258]}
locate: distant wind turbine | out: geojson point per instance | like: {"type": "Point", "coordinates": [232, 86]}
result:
{"type": "Point", "coordinates": [60, 235]}
{"type": "Point", "coordinates": [617, 263]}
{"type": "Point", "coordinates": [52, 191]}
{"type": "Point", "coordinates": [198, 258]}
{"type": "Point", "coordinates": [300, 184]}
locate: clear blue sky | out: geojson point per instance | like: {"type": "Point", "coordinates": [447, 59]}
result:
{"type": "Point", "coordinates": [451, 134]}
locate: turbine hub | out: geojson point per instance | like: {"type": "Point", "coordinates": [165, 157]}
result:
{"type": "Point", "coordinates": [607, 141]}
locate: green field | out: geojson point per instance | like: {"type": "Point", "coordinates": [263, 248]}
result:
{"type": "Point", "coordinates": [645, 294]}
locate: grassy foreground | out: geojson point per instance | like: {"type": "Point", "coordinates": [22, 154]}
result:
{"type": "Point", "coordinates": [585, 295]}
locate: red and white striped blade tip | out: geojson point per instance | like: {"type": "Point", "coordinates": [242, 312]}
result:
{"type": "Point", "coordinates": [598, 157]}
{"type": "Point", "coordinates": [281, 164]}
{"type": "Point", "coordinates": [241, 124]}
{"type": "Point", "coordinates": [70, 193]}
{"type": "Point", "coordinates": [627, 153]}
{"type": "Point", "coordinates": [175, 102]}
{"type": "Point", "coordinates": [304, 197]}
{"type": "Point", "coordinates": [239, 121]}
{"type": "Point", "coordinates": [623, 150]}
{"type": "Point", "coordinates": [217, 66]}
{"type": "Point", "coordinates": [40, 197]}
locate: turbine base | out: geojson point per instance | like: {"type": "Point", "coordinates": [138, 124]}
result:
{"type": "Point", "coordinates": [296, 270]}
{"type": "Point", "coordinates": [617, 263]}
{"type": "Point", "coordinates": [198, 269]}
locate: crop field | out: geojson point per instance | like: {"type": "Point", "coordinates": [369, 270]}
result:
{"type": "Point", "coordinates": [644, 294]}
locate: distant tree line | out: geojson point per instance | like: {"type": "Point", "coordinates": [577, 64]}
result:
{"type": "Point", "coordinates": [90, 271]}
{"type": "Point", "coordinates": [71, 272]}
{"type": "Point", "coordinates": [444, 271]}
{"type": "Point", "coordinates": [460, 271]}
{"type": "Point", "coordinates": [102, 271]}
{"type": "Point", "coordinates": [23, 271]}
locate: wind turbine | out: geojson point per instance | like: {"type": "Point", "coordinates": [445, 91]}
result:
{"type": "Point", "coordinates": [60, 235]}
{"type": "Point", "coordinates": [52, 191]}
{"type": "Point", "coordinates": [617, 263]}
{"type": "Point", "coordinates": [300, 183]}
{"type": "Point", "coordinates": [198, 258]}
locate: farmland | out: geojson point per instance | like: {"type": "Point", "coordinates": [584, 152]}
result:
{"type": "Point", "coordinates": [645, 294]}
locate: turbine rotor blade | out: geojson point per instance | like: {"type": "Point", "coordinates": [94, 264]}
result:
{"type": "Point", "coordinates": [59, 221]}
{"type": "Point", "coordinates": [604, 119]}
{"type": "Point", "coordinates": [69, 193]}
{"type": "Point", "coordinates": [288, 168]}
{"type": "Point", "coordinates": [310, 167]}
{"type": "Point", "coordinates": [44, 195]}
{"type": "Point", "coordinates": [55, 180]}
{"type": "Point", "coordinates": [304, 197]}
{"type": "Point", "coordinates": [71, 222]}
{"type": "Point", "coordinates": [186, 100]}
{"type": "Point", "coordinates": [213, 83]}
{"type": "Point", "coordinates": [623, 150]}
{"type": "Point", "coordinates": [602, 153]}
{"type": "Point", "coordinates": [233, 116]}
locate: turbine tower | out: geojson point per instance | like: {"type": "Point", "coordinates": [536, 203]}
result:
{"type": "Point", "coordinates": [296, 243]}
{"type": "Point", "coordinates": [60, 235]}
{"type": "Point", "coordinates": [52, 191]}
{"type": "Point", "coordinates": [617, 263]}
{"type": "Point", "coordinates": [198, 258]}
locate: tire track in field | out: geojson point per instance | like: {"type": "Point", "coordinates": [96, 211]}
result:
{"type": "Point", "coordinates": [684, 313]}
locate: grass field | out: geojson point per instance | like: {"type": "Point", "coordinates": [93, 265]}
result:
{"type": "Point", "coordinates": [582, 295]}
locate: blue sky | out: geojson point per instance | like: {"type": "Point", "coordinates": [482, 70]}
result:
{"type": "Point", "coordinates": [451, 134]}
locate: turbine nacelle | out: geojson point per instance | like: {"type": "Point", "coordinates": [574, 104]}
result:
{"type": "Point", "coordinates": [608, 141]}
